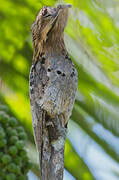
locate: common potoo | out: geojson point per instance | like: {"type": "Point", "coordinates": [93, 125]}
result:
{"type": "Point", "coordinates": [53, 80]}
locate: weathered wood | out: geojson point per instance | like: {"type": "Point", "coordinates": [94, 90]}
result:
{"type": "Point", "coordinates": [53, 150]}
{"type": "Point", "coordinates": [53, 83]}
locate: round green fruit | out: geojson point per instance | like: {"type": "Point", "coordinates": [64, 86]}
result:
{"type": "Point", "coordinates": [23, 153]}
{"type": "Point", "coordinates": [12, 167]}
{"type": "Point", "coordinates": [13, 139]}
{"type": "Point", "coordinates": [20, 129]}
{"type": "Point", "coordinates": [2, 133]}
{"type": "Point", "coordinates": [29, 165]}
{"type": "Point", "coordinates": [25, 159]}
{"type": "Point", "coordinates": [13, 150]}
{"type": "Point", "coordinates": [22, 135]}
{"type": "Point", "coordinates": [3, 142]}
{"type": "Point", "coordinates": [17, 160]}
{"type": "Point", "coordinates": [20, 144]}
{"type": "Point", "coordinates": [4, 108]}
{"type": "Point", "coordinates": [13, 122]}
{"type": "Point", "coordinates": [10, 176]}
{"type": "Point", "coordinates": [8, 130]}
{"type": "Point", "coordinates": [18, 170]}
{"type": "Point", "coordinates": [3, 117]}
{"type": "Point", "coordinates": [6, 159]}
{"type": "Point", "coordinates": [12, 132]}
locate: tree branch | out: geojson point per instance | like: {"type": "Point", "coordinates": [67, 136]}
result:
{"type": "Point", "coordinates": [52, 152]}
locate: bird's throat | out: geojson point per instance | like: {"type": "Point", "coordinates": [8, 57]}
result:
{"type": "Point", "coordinates": [53, 46]}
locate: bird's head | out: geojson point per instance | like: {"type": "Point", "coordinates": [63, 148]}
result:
{"type": "Point", "coordinates": [49, 22]}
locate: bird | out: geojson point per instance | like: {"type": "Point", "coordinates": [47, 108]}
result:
{"type": "Point", "coordinates": [53, 80]}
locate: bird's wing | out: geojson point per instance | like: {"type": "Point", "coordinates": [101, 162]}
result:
{"type": "Point", "coordinates": [35, 84]}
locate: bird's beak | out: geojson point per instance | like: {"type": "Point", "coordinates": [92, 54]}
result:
{"type": "Point", "coordinates": [55, 16]}
{"type": "Point", "coordinates": [61, 7]}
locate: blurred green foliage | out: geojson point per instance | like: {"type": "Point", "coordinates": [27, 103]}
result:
{"type": "Point", "coordinates": [92, 40]}
{"type": "Point", "coordinates": [14, 161]}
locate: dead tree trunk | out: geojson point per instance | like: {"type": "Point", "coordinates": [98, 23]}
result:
{"type": "Point", "coordinates": [52, 160]}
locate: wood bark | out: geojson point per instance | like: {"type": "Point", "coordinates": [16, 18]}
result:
{"type": "Point", "coordinates": [52, 160]}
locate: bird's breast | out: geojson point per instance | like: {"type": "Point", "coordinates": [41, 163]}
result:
{"type": "Point", "coordinates": [59, 94]}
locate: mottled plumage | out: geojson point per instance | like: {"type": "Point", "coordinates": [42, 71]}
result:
{"type": "Point", "coordinates": [53, 80]}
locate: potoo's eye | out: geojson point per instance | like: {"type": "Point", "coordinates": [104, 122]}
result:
{"type": "Point", "coordinates": [47, 15]}
{"type": "Point", "coordinates": [44, 11]}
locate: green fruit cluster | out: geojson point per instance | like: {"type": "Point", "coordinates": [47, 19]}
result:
{"type": "Point", "coordinates": [14, 163]}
